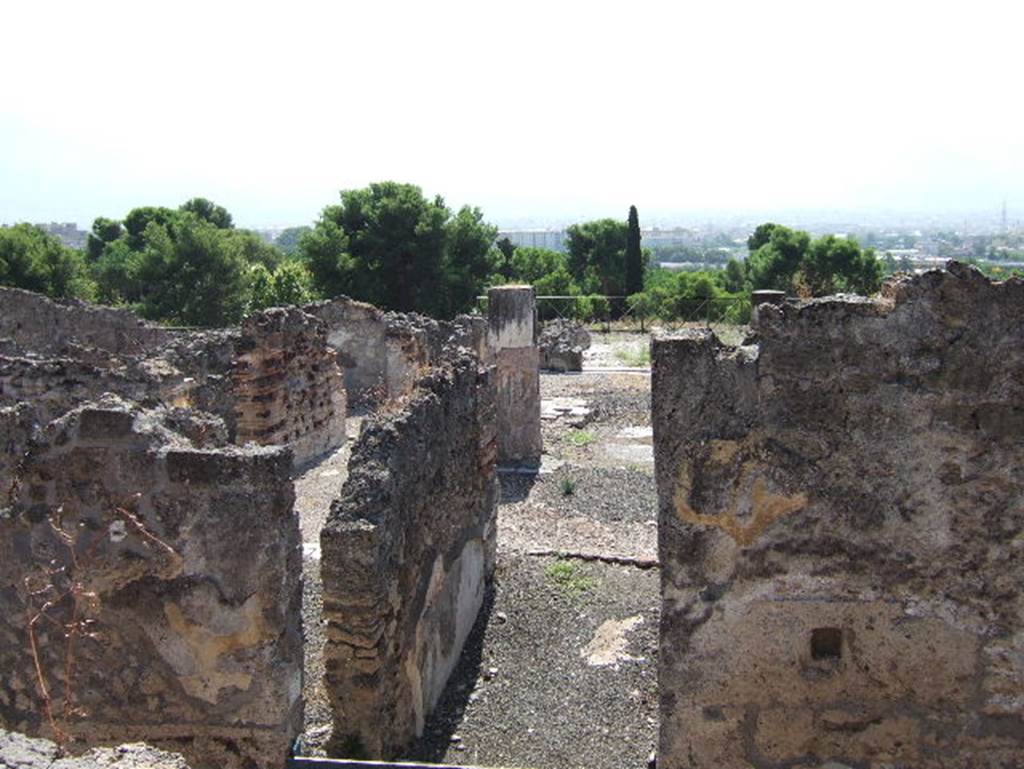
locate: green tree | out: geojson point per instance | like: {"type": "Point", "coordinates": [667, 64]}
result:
{"type": "Point", "coordinates": [786, 260]}
{"type": "Point", "coordinates": [292, 284]}
{"type": "Point", "coordinates": [138, 219]}
{"type": "Point", "coordinates": [254, 249]}
{"type": "Point", "coordinates": [592, 308]}
{"type": "Point", "coordinates": [761, 236]}
{"type": "Point", "coordinates": [288, 240]}
{"type": "Point", "coordinates": [261, 288]}
{"type": "Point", "coordinates": [506, 250]}
{"type": "Point", "coordinates": [642, 306]}
{"type": "Point", "coordinates": [776, 260]}
{"type": "Point", "coordinates": [289, 284]}
{"type": "Point", "coordinates": [117, 272]}
{"type": "Point", "coordinates": [396, 241]}
{"type": "Point", "coordinates": [531, 263]}
{"type": "Point", "coordinates": [469, 258]}
{"type": "Point", "coordinates": [597, 252]}
{"type": "Point", "coordinates": [104, 231]}
{"type": "Point", "coordinates": [324, 249]}
{"type": "Point", "coordinates": [838, 264]}
{"type": "Point", "coordinates": [192, 274]}
{"type": "Point", "coordinates": [389, 245]}
{"type": "Point", "coordinates": [734, 276]}
{"type": "Point", "coordinates": [32, 259]}
{"type": "Point", "coordinates": [209, 211]}
{"type": "Point", "coordinates": [634, 255]}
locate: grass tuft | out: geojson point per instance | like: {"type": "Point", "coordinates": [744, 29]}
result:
{"type": "Point", "coordinates": [569, 578]}
{"type": "Point", "coordinates": [581, 437]}
{"type": "Point", "coordinates": [635, 357]}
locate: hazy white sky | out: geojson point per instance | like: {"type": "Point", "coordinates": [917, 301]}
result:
{"type": "Point", "coordinates": [541, 110]}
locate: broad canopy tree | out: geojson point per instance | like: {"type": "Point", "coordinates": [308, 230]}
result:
{"type": "Point", "coordinates": [788, 260]}
{"type": "Point", "coordinates": [597, 256]}
{"type": "Point", "coordinates": [187, 266]}
{"type": "Point", "coordinates": [389, 245]}
{"type": "Point", "coordinates": [32, 259]}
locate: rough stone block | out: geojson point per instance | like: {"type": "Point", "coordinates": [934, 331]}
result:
{"type": "Point", "coordinates": [186, 564]}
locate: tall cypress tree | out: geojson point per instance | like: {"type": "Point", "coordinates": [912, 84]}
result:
{"type": "Point", "coordinates": [634, 257]}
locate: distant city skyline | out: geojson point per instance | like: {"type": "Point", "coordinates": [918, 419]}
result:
{"type": "Point", "coordinates": [555, 113]}
{"type": "Point", "coordinates": [981, 220]}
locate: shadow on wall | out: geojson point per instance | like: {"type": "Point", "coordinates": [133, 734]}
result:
{"type": "Point", "coordinates": [445, 720]}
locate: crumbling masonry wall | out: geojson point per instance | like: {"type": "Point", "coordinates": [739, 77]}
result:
{"type": "Point", "coordinates": [288, 388]}
{"type": "Point", "coordinates": [384, 353]}
{"type": "Point", "coordinates": [841, 532]}
{"type": "Point", "coordinates": [405, 556]}
{"type": "Point", "coordinates": [187, 560]}
{"type": "Point", "coordinates": [274, 381]}
{"type": "Point", "coordinates": [35, 323]}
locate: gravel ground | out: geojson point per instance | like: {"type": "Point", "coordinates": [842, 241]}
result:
{"type": "Point", "coordinates": [616, 349]}
{"type": "Point", "coordinates": [610, 512]}
{"type": "Point", "coordinates": [315, 488]}
{"type": "Point", "coordinates": [560, 670]}
{"type": "Point", "coordinates": [525, 694]}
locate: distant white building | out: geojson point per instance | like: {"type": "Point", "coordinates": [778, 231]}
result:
{"type": "Point", "coordinates": [551, 239]}
{"type": "Point", "coordinates": [68, 232]}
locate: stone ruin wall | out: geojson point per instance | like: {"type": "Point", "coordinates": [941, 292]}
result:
{"type": "Point", "coordinates": [273, 381]}
{"type": "Point", "coordinates": [406, 553]}
{"type": "Point", "coordinates": [194, 560]}
{"type": "Point", "coordinates": [288, 388]}
{"type": "Point", "coordinates": [383, 353]}
{"type": "Point", "coordinates": [201, 650]}
{"type": "Point", "coordinates": [841, 532]}
{"type": "Point", "coordinates": [33, 322]}
{"type": "Point", "coordinates": [199, 602]}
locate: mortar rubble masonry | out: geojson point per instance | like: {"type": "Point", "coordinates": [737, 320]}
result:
{"type": "Point", "coordinates": [841, 532]}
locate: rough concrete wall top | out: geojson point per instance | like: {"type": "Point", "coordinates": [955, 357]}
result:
{"type": "Point", "coordinates": [39, 324]}
{"type": "Point", "coordinates": [186, 559]}
{"type": "Point", "coordinates": [405, 553]}
{"type": "Point", "coordinates": [842, 531]}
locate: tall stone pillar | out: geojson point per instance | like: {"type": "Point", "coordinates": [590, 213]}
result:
{"type": "Point", "coordinates": [513, 338]}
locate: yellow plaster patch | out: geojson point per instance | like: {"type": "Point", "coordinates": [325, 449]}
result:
{"type": "Point", "coordinates": [207, 647]}
{"type": "Point", "coordinates": [766, 507]}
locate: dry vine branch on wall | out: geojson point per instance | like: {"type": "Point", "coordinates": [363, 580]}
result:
{"type": "Point", "coordinates": [67, 584]}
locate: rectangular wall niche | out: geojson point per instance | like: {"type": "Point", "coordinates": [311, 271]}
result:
{"type": "Point", "coordinates": [826, 643]}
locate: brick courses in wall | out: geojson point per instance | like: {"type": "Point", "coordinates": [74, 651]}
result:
{"type": "Point", "coordinates": [406, 553]}
{"type": "Point", "coordinates": [288, 389]}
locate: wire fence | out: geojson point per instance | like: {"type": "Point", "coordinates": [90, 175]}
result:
{"type": "Point", "coordinates": [631, 314]}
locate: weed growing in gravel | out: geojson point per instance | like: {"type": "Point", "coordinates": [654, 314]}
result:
{"type": "Point", "coordinates": [568, 487]}
{"type": "Point", "coordinates": [636, 357]}
{"type": "Point", "coordinates": [581, 437]}
{"type": "Point", "coordinates": [568, 577]}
